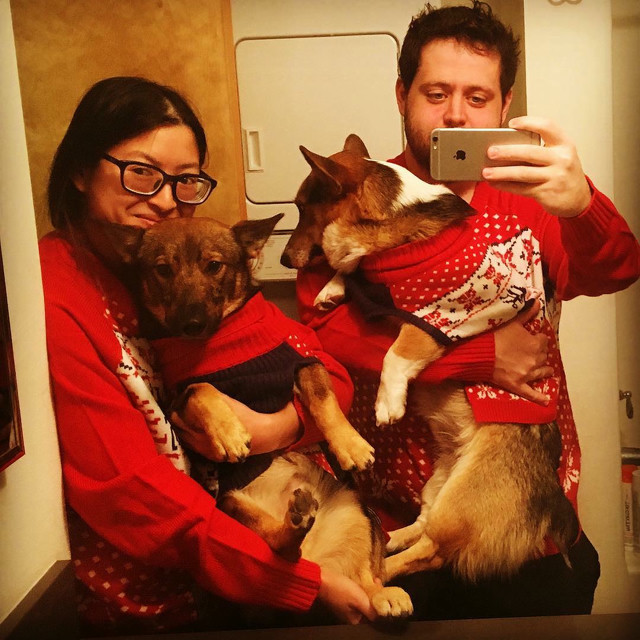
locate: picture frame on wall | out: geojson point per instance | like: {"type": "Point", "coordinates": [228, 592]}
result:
{"type": "Point", "coordinates": [11, 441]}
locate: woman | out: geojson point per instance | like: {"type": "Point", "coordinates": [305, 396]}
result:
{"type": "Point", "coordinates": [142, 532]}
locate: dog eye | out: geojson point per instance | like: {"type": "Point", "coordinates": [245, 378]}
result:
{"type": "Point", "coordinates": [163, 270]}
{"type": "Point", "coordinates": [213, 267]}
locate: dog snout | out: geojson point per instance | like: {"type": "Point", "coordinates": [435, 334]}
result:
{"type": "Point", "coordinates": [285, 261]}
{"type": "Point", "coordinates": [195, 322]}
{"type": "Point", "coordinates": [298, 254]}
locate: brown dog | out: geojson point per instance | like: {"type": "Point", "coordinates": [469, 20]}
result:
{"type": "Point", "coordinates": [195, 279]}
{"type": "Point", "coordinates": [494, 494]}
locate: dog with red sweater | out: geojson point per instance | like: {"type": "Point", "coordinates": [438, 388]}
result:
{"type": "Point", "coordinates": [215, 333]}
{"type": "Point", "coordinates": [411, 259]}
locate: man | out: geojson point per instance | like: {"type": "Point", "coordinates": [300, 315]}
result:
{"type": "Point", "coordinates": [457, 68]}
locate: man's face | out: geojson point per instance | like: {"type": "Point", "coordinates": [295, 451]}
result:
{"type": "Point", "coordinates": [454, 86]}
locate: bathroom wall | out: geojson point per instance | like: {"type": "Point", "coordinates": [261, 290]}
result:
{"type": "Point", "coordinates": [64, 47]}
{"type": "Point", "coordinates": [32, 529]}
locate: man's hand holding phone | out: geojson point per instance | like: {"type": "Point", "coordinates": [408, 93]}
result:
{"type": "Point", "coordinates": [550, 174]}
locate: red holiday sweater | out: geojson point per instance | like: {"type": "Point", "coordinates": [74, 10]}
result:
{"type": "Point", "coordinates": [141, 530]}
{"type": "Point", "coordinates": [252, 357]}
{"type": "Point", "coordinates": [592, 254]}
{"type": "Point", "coordinates": [456, 286]}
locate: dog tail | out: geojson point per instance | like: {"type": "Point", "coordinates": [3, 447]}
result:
{"type": "Point", "coordinates": [564, 527]}
{"type": "Point", "coordinates": [378, 544]}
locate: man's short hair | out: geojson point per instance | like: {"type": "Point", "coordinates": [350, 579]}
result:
{"type": "Point", "coordinates": [475, 27]}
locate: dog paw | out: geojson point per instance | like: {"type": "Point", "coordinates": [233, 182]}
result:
{"type": "Point", "coordinates": [353, 453]}
{"type": "Point", "coordinates": [389, 408]}
{"type": "Point", "coordinates": [302, 510]}
{"type": "Point", "coordinates": [390, 403]}
{"type": "Point", "coordinates": [328, 299]}
{"type": "Point", "coordinates": [392, 602]}
{"type": "Point", "coordinates": [205, 423]}
{"type": "Point", "coordinates": [233, 448]}
{"type": "Point", "coordinates": [331, 295]}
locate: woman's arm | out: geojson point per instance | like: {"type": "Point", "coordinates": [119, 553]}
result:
{"type": "Point", "coordinates": [136, 499]}
{"type": "Point", "coordinates": [269, 431]}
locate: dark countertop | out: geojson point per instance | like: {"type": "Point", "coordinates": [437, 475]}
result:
{"type": "Point", "coordinates": [593, 627]}
{"type": "Point", "coordinates": [48, 613]}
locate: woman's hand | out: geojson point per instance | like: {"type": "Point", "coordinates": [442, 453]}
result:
{"type": "Point", "coordinates": [552, 175]}
{"type": "Point", "coordinates": [345, 598]}
{"type": "Point", "coordinates": [521, 357]}
{"type": "Point", "coordinates": [269, 431]}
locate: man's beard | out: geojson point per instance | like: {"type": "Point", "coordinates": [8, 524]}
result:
{"type": "Point", "coordinates": [420, 146]}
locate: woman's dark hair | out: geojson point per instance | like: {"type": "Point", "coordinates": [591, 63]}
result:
{"type": "Point", "coordinates": [475, 27]}
{"type": "Point", "coordinates": [113, 110]}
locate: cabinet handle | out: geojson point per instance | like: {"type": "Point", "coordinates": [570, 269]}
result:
{"type": "Point", "coordinates": [626, 396]}
{"type": "Point", "coordinates": [253, 145]}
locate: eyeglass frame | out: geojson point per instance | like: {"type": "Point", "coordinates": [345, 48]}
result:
{"type": "Point", "coordinates": [166, 178]}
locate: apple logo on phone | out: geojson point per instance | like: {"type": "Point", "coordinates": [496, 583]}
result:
{"type": "Point", "coordinates": [460, 155]}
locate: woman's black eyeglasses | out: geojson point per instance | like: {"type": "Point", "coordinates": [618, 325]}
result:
{"type": "Point", "coordinates": [145, 180]}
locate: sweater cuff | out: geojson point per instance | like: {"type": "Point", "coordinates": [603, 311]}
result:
{"type": "Point", "coordinates": [295, 591]}
{"type": "Point", "coordinates": [470, 360]}
{"type": "Point", "coordinates": [590, 227]}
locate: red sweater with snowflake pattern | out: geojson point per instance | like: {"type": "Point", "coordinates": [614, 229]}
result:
{"type": "Point", "coordinates": [592, 254]}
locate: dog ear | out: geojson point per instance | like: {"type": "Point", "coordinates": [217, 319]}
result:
{"type": "Point", "coordinates": [252, 235]}
{"type": "Point", "coordinates": [116, 244]}
{"type": "Point", "coordinates": [333, 175]}
{"type": "Point", "coordinates": [353, 144]}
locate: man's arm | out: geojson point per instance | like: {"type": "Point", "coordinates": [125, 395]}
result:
{"type": "Point", "coordinates": [586, 244]}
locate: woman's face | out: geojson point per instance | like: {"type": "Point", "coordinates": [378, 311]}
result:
{"type": "Point", "coordinates": [171, 148]}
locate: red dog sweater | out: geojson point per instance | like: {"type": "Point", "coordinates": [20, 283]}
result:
{"type": "Point", "coordinates": [455, 286]}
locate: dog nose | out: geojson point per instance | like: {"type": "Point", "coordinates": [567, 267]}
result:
{"type": "Point", "coordinates": [193, 328]}
{"type": "Point", "coordinates": [285, 261]}
{"type": "Point", "coordinates": [194, 321]}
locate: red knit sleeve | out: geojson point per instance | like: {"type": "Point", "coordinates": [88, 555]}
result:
{"type": "Point", "coordinates": [130, 495]}
{"type": "Point", "coordinates": [591, 254]}
{"type": "Point", "coordinates": [358, 344]}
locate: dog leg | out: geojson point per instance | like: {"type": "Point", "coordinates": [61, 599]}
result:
{"type": "Point", "coordinates": [403, 538]}
{"type": "Point", "coordinates": [422, 556]}
{"type": "Point", "coordinates": [412, 351]}
{"type": "Point", "coordinates": [313, 386]}
{"type": "Point", "coordinates": [407, 536]}
{"type": "Point", "coordinates": [388, 602]}
{"type": "Point", "coordinates": [207, 425]}
{"type": "Point", "coordinates": [285, 537]}
{"type": "Point", "coordinates": [331, 295]}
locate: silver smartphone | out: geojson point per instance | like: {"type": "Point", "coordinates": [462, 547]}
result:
{"type": "Point", "coordinates": [461, 154]}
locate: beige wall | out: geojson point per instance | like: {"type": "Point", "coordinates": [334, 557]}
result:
{"type": "Point", "coordinates": [626, 167]}
{"type": "Point", "coordinates": [569, 79]}
{"type": "Point", "coordinates": [32, 530]}
{"type": "Point", "coordinates": [64, 47]}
